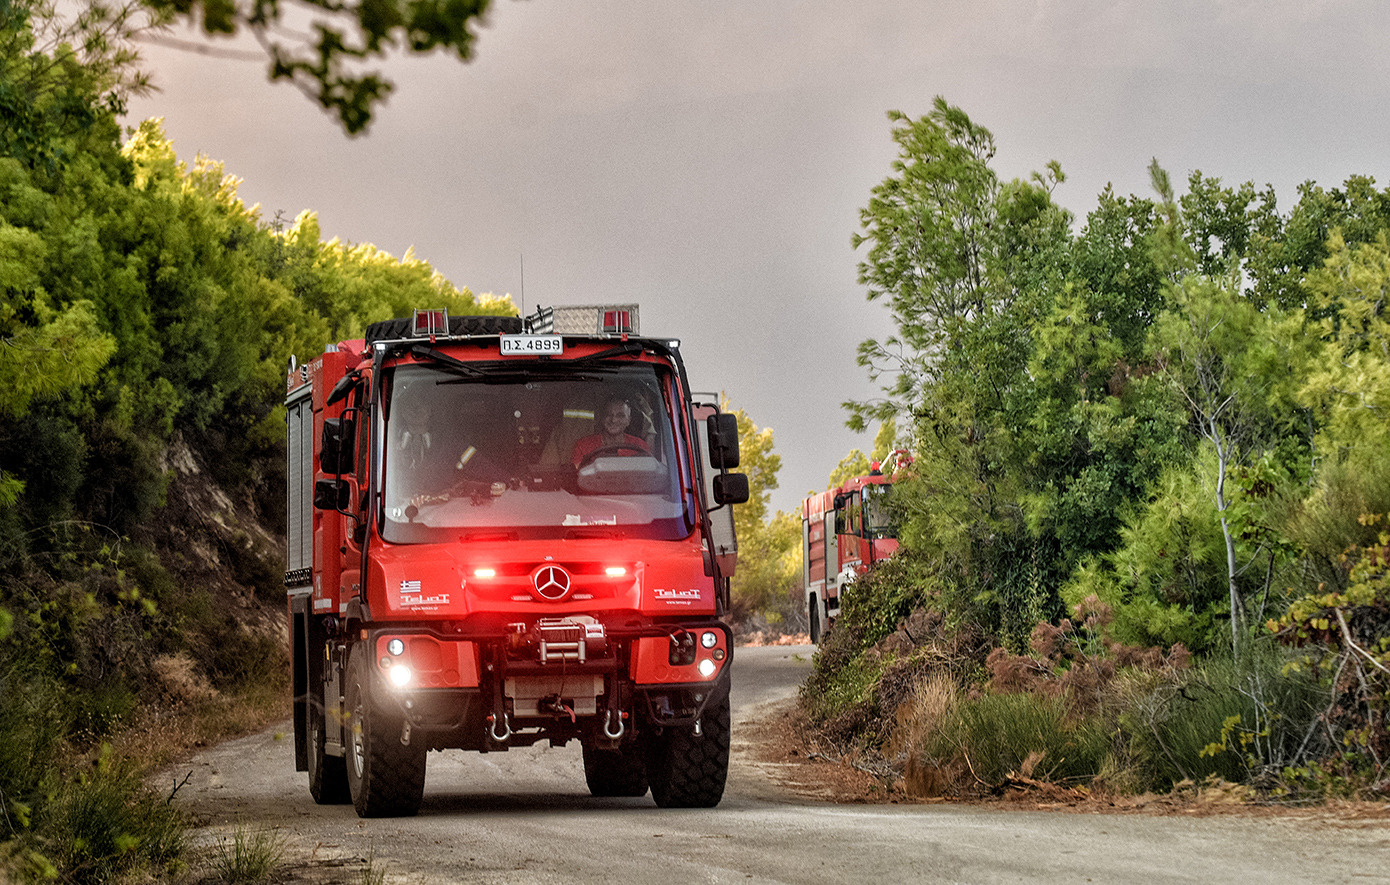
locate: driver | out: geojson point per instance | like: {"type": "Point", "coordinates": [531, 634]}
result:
{"type": "Point", "coordinates": [613, 423]}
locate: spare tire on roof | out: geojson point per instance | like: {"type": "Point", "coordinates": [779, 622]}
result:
{"type": "Point", "coordinates": [390, 330]}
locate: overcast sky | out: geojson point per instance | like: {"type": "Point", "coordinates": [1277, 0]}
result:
{"type": "Point", "coordinates": [708, 159]}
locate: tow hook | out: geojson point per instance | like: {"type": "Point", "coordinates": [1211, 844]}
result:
{"type": "Point", "coordinates": [608, 721]}
{"type": "Point", "coordinates": [506, 732]}
{"type": "Point", "coordinates": [405, 734]}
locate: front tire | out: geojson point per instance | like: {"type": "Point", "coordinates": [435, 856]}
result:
{"type": "Point", "coordinates": [386, 778]}
{"type": "Point", "coordinates": [813, 615]}
{"type": "Point", "coordinates": [621, 772]}
{"type": "Point", "coordinates": [688, 770]}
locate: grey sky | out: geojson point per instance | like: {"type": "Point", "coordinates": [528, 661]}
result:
{"type": "Point", "coordinates": [708, 159]}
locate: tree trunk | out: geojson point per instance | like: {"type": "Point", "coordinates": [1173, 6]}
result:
{"type": "Point", "coordinates": [1236, 613]}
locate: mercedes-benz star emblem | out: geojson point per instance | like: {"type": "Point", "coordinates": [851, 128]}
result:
{"type": "Point", "coordinates": [552, 582]}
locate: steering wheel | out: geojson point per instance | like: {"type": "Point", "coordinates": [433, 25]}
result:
{"type": "Point", "coordinates": [612, 450]}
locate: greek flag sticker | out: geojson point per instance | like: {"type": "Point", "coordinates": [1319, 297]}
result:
{"type": "Point", "coordinates": [410, 586]}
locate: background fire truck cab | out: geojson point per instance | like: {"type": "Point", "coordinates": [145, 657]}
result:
{"type": "Point", "coordinates": [844, 530]}
{"type": "Point", "coordinates": [504, 531]}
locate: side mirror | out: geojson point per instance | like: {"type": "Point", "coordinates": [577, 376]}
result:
{"type": "Point", "coordinates": [342, 388]}
{"type": "Point", "coordinates": [336, 447]}
{"type": "Point", "coordinates": [723, 441]}
{"type": "Point", "coordinates": [730, 488]}
{"type": "Point", "coordinates": [332, 494]}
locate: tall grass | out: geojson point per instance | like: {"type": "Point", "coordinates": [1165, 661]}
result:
{"type": "Point", "coordinates": [957, 744]}
{"type": "Point", "coordinates": [1243, 721]}
{"type": "Point", "coordinates": [105, 823]}
{"type": "Point", "coordinates": [249, 856]}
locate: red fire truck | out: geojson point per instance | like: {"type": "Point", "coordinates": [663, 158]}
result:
{"type": "Point", "coordinates": [499, 537]}
{"type": "Point", "coordinates": [844, 530]}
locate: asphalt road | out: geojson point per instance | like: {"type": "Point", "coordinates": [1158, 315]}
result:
{"type": "Point", "coordinates": [525, 816]}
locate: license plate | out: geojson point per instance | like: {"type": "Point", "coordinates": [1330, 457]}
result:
{"type": "Point", "coordinates": [532, 345]}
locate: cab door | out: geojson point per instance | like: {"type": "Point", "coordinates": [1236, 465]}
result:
{"type": "Point", "coordinates": [832, 565]}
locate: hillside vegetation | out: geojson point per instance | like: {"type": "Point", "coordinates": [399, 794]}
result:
{"type": "Point", "coordinates": [1144, 539]}
{"type": "Point", "coordinates": [146, 316]}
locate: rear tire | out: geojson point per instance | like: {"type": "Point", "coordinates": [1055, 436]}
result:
{"type": "Point", "coordinates": [328, 782]}
{"type": "Point", "coordinates": [688, 770]}
{"type": "Point", "coordinates": [813, 615]}
{"type": "Point", "coordinates": [386, 778]}
{"type": "Point", "coordinates": [621, 772]}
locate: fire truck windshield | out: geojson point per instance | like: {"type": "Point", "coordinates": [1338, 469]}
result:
{"type": "Point", "coordinates": [878, 521]}
{"type": "Point", "coordinates": [541, 454]}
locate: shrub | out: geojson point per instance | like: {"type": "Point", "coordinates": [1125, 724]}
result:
{"type": "Point", "coordinates": [874, 605]}
{"type": "Point", "coordinates": [977, 743]}
{"type": "Point", "coordinates": [105, 822]}
{"type": "Point", "coordinates": [844, 698]}
{"type": "Point", "coordinates": [1240, 721]}
{"type": "Point", "coordinates": [1342, 639]}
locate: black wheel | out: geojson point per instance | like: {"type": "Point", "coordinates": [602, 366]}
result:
{"type": "Point", "coordinates": [327, 774]}
{"type": "Point", "coordinates": [621, 772]}
{"type": "Point", "coordinates": [688, 770]}
{"type": "Point", "coordinates": [814, 617]}
{"type": "Point", "coordinates": [386, 778]}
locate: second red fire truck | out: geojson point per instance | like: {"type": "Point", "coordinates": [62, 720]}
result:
{"type": "Point", "coordinates": [844, 530]}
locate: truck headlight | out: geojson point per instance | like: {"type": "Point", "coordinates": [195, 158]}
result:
{"type": "Point", "coordinates": [707, 668]}
{"type": "Point", "coordinates": [400, 675]}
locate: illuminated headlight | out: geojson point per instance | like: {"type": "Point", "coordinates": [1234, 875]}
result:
{"type": "Point", "coordinates": [615, 571]}
{"type": "Point", "coordinates": [400, 675]}
{"type": "Point", "coordinates": [709, 640]}
{"type": "Point", "coordinates": [707, 668]}
{"type": "Point", "coordinates": [396, 647]}
{"type": "Point", "coordinates": [484, 572]}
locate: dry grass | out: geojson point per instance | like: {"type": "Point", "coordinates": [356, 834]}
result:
{"type": "Point", "coordinates": [931, 702]}
{"type": "Point", "coordinates": [160, 736]}
{"type": "Point", "coordinates": [180, 681]}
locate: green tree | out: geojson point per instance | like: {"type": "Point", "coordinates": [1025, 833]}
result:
{"type": "Point", "coordinates": [329, 60]}
{"type": "Point", "coordinates": [856, 463]}
{"type": "Point", "coordinates": [769, 544]}
{"type": "Point", "coordinates": [927, 229]}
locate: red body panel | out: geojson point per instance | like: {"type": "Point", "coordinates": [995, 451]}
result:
{"type": "Point", "coordinates": [408, 582]}
{"type": "Point", "coordinates": [651, 664]}
{"type": "Point", "coordinates": [436, 663]}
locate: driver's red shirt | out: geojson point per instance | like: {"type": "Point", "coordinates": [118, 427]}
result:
{"type": "Point", "coordinates": [587, 444]}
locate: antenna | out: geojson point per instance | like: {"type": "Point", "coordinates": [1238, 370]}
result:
{"type": "Point", "coordinates": [523, 284]}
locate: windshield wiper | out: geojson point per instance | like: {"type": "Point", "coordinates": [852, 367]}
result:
{"type": "Point", "coordinates": [630, 347]}
{"type": "Point", "coordinates": [458, 367]}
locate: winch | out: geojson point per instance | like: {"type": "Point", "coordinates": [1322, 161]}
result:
{"type": "Point", "coordinates": [574, 639]}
